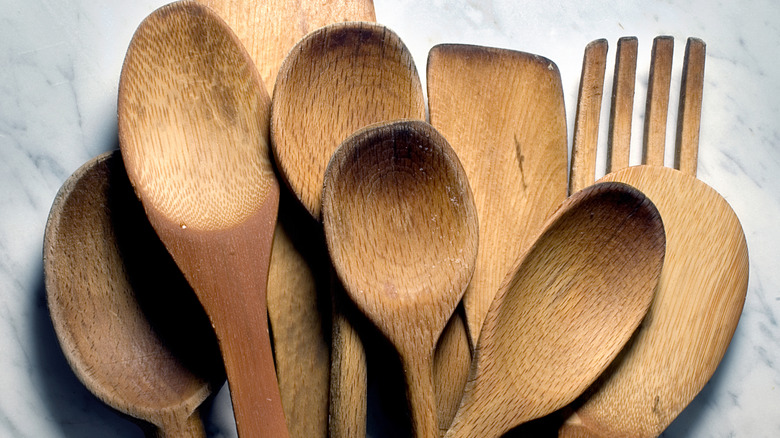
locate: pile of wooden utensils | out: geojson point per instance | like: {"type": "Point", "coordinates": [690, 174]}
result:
{"type": "Point", "coordinates": [511, 285]}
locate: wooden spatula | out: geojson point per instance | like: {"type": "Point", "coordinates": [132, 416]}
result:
{"type": "Point", "coordinates": [503, 113]}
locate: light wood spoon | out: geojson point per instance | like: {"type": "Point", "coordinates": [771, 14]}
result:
{"type": "Point", "coordinates": [111, 289]}
{"type": "Point", "coordinates": [337, 80]}
{"type": "Point", "coordinates": [401, 227]}
{"type": "Point", "coordinates": [298, 278]}
{"type": "Point", "coordinates": [503, 113]}
{"type": "Point", "coordinates": [193, 130]}
{"type": "Point", "coordinates": [566, 310]}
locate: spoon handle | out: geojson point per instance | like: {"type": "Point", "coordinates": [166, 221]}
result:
{"type": "Point", "coordinates": [421, 393]}
{"type": "Point", "coordinates": [228, 270]}
{"type": "Point", "coordinates": [179, 425]}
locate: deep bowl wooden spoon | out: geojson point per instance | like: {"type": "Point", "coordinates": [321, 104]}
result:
{"type": "Point", "coordinates": [570, 304]}
{"type": "Point", "coordinates": [111, 288]}
{"type": "Point", "coordinates": [193, 130]}
{"type": "Point", "coordinates": [401, 227]}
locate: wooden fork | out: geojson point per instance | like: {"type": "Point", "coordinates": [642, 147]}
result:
{"type": "Point", "coordinates": [702, 288]}
{"type": "Point", "coordinates": [583, 162]}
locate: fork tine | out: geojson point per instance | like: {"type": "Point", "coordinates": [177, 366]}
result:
{"type": "Point", "coordinates": [689, 116]}
{"type": "Point", "coordinates": [618, 144]}
{"type": "Point", "coordinates": [658, 101]}
{"type": "Point", "coordinates": [586, 122]}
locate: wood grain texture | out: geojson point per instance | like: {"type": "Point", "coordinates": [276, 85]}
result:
{"type": "Point", "coordinates": [298, 313]}
{"type": "Point", "coordinates": [193, 130]}
{"type": "Point", "coordinates": [698, 302]}
{"type": "Point", "coordinates": [111, 288]}
{"type": "Point", "coordinates": [621, 112]}
{"type": "Point", "coordinates": [336, 80]}
{"type": "Point", "coordinates": [586, 124]}
{"type": "Point", "coordinates": [657, 105]}
{"type": "Point", "coordinates": [269, 29]}
{"type": "Point", "coordinates": [503, 113]}
{"type": "Point", "coordinates": [567, 308]}
{"type": "Point", "coordinates": [401, 227]}
{"type": "Point", "coordinates": [689, 114]}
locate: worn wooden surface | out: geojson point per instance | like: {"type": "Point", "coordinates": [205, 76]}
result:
{"type": "Point", "coordinates": [193, 130]}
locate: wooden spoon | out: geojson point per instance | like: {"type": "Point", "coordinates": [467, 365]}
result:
{"type": "Point", "coordinates": [694, 315]}
{"type": "Point", "coordinates": [569, 306]}
{"type": "Point", "coordinates": [298, 277]}
{"type": "Point", "coordinates": [401, 228]}
{"type": "Point", "coordinates": [111, 288]}
{"type": "Point", "coordinates": [503, 113]}
{"type": "Point", "coordinates": [193, 131]}
{"type": "Point", "coordinates": [337, 80]}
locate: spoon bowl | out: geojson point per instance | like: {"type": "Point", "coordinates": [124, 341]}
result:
{"type": "Point", "coordinates": [565, 311]}
{"type": "Point", "coordinates": [401, 227]}
{"type": "Point", "coordinates": [111, 287]}
{"type": "Point", "coordinates": [193, 130]}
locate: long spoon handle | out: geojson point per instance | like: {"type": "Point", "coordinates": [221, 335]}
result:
{"type": "Point", "coordinates": [229, 273]}
{"type": "Point", "coordinates": [421, 394]}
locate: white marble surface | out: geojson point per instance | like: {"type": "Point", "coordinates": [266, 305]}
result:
{"type": "Point", "coordinates": [58, 84]}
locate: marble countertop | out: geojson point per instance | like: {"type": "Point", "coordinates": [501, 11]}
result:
{"type": "Point", "coordinates": [58, 86]}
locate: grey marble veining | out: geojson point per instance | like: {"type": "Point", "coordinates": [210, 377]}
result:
{"type": "Point", "coordinates": [58, 83]}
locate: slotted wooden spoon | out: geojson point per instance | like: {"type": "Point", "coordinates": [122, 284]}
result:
{"type": "Point", "coordinates": [193, 130]}
{"type": "Point", "coordinates": [704, 280]}
{"type": "Point", "coordinates": [503, 113]}
{"type": "Point", "coordinates": [298, 278]}
{"type": "Point", "coordinates": [111, 288]}
{"type": "Point", "coordinates": [401, 228]}
{"type": "Point", "coordinates": [337, 80]}
{"type": "Point", "coordinates": [568, 307]}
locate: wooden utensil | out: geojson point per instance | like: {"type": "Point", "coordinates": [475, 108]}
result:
{"type": "Point", "coordinates": [568, 307]}
{"type": "Point", "coordinates": [337, 80]}
{"type": "Point", "coordinates": [111, 288]}
{"type": "Point", "coordinates": [503, 113]}
{"type": "Point", "coordinates": [703, 283]}
{"type": "Point", "coordinates": [269, 29]}
{"type": "Point", "coordinates": [298, 277]}
{"type": "Point", "coordinates": [401, 227]}
{"type": "Point", "coordinates": [193, 131]}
